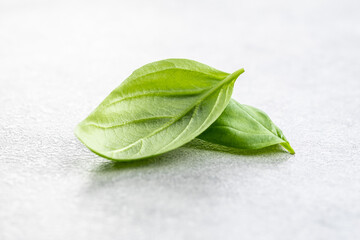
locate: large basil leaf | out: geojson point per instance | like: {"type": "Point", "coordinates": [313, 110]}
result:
{"type": "Point", "coordinates": [159, 107]}
{"type": "Point", "coordinates": [245, 127]}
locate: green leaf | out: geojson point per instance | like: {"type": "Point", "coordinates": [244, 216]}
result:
{"type": "Point", "coordinates": [159, 107]}
{"type": "Point", "coordinates": [245, 127]}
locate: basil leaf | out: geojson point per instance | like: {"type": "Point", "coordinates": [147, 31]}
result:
{"type": "Point", "coordinates": [159, 107]}
{"type": "Point", "coordinates": [245, 127]}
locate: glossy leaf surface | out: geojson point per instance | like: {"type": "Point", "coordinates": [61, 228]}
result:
{"type": "Point", "coordinates": [159, 107]}
{"type": "Point", "coordinates": [245, 127]}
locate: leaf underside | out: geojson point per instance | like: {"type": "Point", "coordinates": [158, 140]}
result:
{"type": "Point", "coordinates": [159, 107]}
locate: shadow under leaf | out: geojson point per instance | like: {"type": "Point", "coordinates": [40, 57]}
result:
{"type": "Point", "coordinates": [113, 166]}
{"type": "Point", "coordinates": [173, 156]}
{"type": "Point", "coordinates": [203, 145]}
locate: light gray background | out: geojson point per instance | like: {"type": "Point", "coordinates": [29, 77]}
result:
{"type": "Point", "coordinates": [59, 59]}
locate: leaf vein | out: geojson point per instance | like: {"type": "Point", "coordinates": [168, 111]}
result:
{"type": "Point", "coordinates": [206, 94]}
{"type": "Point", "coordinates": [125, 123]}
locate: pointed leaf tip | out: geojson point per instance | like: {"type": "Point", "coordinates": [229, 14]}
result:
{"type": "Point", "coordinates": [287, 146]}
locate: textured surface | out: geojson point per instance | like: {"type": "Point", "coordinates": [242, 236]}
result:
{"type": "Point", "coordinates": [58, 60]}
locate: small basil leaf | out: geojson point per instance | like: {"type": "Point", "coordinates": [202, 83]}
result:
{"type": "Point", "coordinates": [159, 107]}
{"type": "Point", "coordinates": [245, 127]}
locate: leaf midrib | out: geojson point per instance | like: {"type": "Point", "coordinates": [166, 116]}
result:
{"type": "Point", "coordinates": [205, 95]}
{"type": "Point", "coordinates": [192, 117]}
{"type": "Point", "coordinates": [125, 123]}
{"type": "Point", "coordinates": [237, 130]}
{"type": "Point", "coordinates": [243, 108]}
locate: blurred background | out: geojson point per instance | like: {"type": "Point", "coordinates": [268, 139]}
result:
{"type": "Point", "coordinates": [59, 59]}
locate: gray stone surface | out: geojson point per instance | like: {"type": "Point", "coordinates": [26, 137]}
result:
{"type": "Point", "coordinates": [59, 59]}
